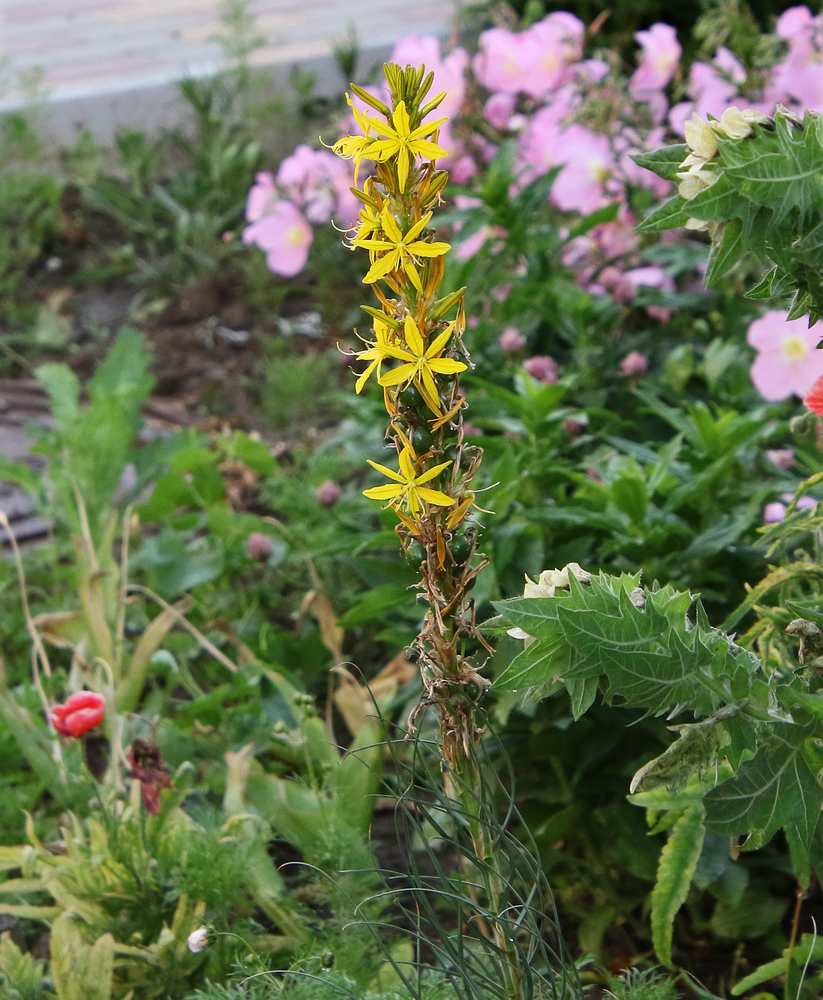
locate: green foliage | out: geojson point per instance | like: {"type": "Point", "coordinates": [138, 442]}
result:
{"type": "Point", "coordinates": [90, 443]}
{"type": "Point", "coordinates": [766, 200]}
{"type": "Point", "coordinates": [752, 747]}
{"type": "Point", "coordinates": [678, 863]}
{"type": "Point", "coordinates": [636, 984]}
{"type": "Point", "coordinates": [29, 226]}
{"type": "Point", "coordinates": [22, 977]}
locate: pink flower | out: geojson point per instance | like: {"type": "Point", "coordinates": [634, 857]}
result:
{"type": "Point", "coordinates": [542, 367]}
{"type": "Point", "coordinates": [814, 397]}
{"type": "Point", "coordinates": [787, 362]}
{"type": "Point", "coordinates": [327, 493]}
{"type": "Point", "coordinates": [538, 145]}
{"type": "Point", "coordinates": [634, 364]}
{"type": "Point", "coordinates": [284, 235]}
{"type": "Point", "coordinates": [318, 182]}
{"type": "Point", "coordinates": [776, 511]}
{"type": "Point", "coordinates": [261, 195]}
{"type": "Point", "coordinates": [258, 546]}
{"type": "Point", "coordinates": [504, 60]}
{"type": "Point", "coordinates": [650, 276]}
{"type": "Point", "coordinates": [83, 711]}
{"type": "Point", "coordinates": [511, 340]}
{"type": "Point", "coordinates": [712, 88]}
{"type": "Point", "coordinates": [499, 108]}
{"type": "Point", "coordinates": [587, 164]}
{"type": "Point", "coordinates": [783, 458]}
{"type": "Point", "coordinates": [559, 38]}
{"type": "Point", "coordinates": [533, 62]}
{"type": "Point", "coordinates": [660, 58]}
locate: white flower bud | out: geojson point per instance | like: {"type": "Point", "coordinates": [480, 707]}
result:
{"type": "Point", "coordinates": [700, 137]}
{"type": "Point", "coordinates": [198, 939]}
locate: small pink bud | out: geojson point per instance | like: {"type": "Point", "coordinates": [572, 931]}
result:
{"type": "Point", "coordinates": [511, 340]}
{"type": "Point", "coordinates": [774, 512]}
{"type": "Point", "coordinates": [781, 457]}
{"type": "Point", "coordinates": [327, 493]}
{"type": "Point", "coordinates": [258, 546]}
{"type": "Point", "coordinates": [634, 364]}
{"type": "Point", "coordinates": [542, 367]}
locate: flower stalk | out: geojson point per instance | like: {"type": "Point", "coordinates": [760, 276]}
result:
{"type": "Point", "coordinates": [416, 354]}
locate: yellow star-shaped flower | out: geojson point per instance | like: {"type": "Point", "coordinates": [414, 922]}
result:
{"type": "Point", "coordinates": [408, 487]}
{"type": "Point", "coordinates": [403, 142]}
{"type": "Point", "coordinates": [422, 363]}
{"type": "Point", "coordinates": [353, 147]}
{"type": "Point", "coordinates": [377, 352]}
{"type": "Point", "coordinates": [399, 250]}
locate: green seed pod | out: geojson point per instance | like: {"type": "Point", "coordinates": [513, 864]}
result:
{"type": "Point", "coordinates": [422, 439]}
{"type": "Point", "coordinates": [410, 398]}
{"type": "Point", "coordinates": [415, 554]}
{"type": "Point", "coordinates": [460, 548]}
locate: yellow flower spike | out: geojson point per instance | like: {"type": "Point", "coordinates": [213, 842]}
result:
{"type": "Point", "coordinates": [403, 142]}
{"type": "Point", "coordinates": [408, 487]}
{"type": "Point", "coordinates": [399, 250]}
{"type": "Point", "coordinates": [377, 352]}
{"type": "Point", "coordinates": [422, 363]}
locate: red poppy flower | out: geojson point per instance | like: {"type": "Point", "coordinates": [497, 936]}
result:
{"type": "Point", "coordinates": [814, 398]}
{"type": "Point", "coordinates": [82, 712]}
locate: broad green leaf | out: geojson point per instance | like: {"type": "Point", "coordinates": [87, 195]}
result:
{"type": "Point", "coordinates": [665, 161]}
{"type": "Point", "coordinates": [63, 388]}
{"type": "Point", "coordinates": [774, 788]}
{"type": "Point", "coordinates": [779, 170]}
{"type": "Point", "coordinates": [718, 203]}
{"type": "Point", "coordinates": [725, 253]}
{"type": "Point", "coordinates": [697, 749]}
{"type": "Point", "coordinates": [678, 862]}
{"type": "Point", "coordinates": [670, 215]}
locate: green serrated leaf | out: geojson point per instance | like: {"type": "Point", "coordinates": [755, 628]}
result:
{"type": "Point", "coordinates": [763, 289]}
{"type": "Point", "coordinates": [678, 861]}
{"type": "Point", "coordinates": [670, 215]}
{"type": "Point", "coordinates": [776, 787]}
{"type": "Point", "coordinates": [665, 161]}
{"type": "Point", "coordinates": [725, 253]}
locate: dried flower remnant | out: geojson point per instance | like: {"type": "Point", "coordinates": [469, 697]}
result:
{"type": "Point", "coordinates": [147, 767]}
{"type": "Point", "coordinates": [81, 712]}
